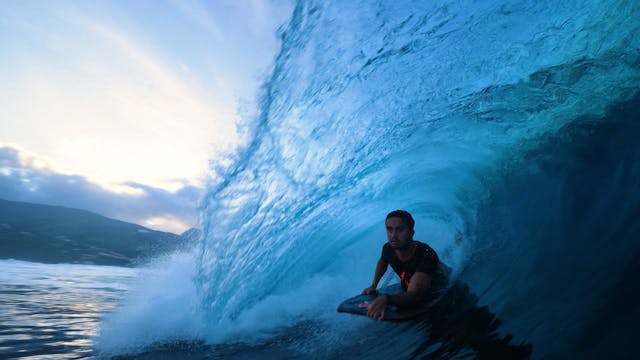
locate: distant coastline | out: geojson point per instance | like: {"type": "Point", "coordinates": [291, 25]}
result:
{"type": "Point", "coordinates": [56, 234]}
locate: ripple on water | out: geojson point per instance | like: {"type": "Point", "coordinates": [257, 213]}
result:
{"type": "Point", "coordinates": [53, 311]}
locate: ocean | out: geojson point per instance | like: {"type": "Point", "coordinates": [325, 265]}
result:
{"type": "Point", "coordinates": [54, 310]}
{"type": "Point", "coordinates": [508, 129]}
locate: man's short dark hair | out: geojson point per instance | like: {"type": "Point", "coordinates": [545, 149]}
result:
{"type": "Point", "coordinates": [406, 218]}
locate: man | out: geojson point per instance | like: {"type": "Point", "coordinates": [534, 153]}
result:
{"type": "Point", "coordinates": [415, 262]}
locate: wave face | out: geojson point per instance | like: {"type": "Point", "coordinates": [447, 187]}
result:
{"type": "Point", "coordinates": [509, 130]}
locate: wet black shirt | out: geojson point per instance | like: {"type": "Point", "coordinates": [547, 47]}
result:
{"type": "Point", "coordinates": [423, 260]}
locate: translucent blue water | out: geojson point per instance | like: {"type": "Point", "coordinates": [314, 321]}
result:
{"type": "Point", "coordinates": [512, 124]}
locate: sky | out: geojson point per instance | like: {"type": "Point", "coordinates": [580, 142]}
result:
{"type": "Point", "coordinates": [117, 107]}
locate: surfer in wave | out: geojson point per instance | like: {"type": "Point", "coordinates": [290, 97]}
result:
{"type": "Point", "coordinates": [415, 263]}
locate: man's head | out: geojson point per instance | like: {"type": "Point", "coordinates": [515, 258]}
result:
{"type": "Point", "coordinates": [399, 224]}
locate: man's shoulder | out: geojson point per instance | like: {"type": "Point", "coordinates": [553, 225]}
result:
{"type": "Point", "coordinates": [426, 258]}
{"type": "Point", "coordinates": [425, 248]}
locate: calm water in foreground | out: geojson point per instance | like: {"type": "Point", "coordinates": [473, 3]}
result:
{"type": "Point", "coordinates": [53, 311]}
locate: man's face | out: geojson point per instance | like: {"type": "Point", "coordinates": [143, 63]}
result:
{"type": "Point", "coordinates": [398, 233]}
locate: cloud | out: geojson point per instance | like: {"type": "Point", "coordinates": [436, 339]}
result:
{"type": "Point", "coordinates": [9, 157]}
{"type": "Point", "coordinates": [198, 13]}
{"type": "Point", "coordinates": [156, 208]}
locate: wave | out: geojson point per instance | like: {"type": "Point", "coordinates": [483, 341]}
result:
{"type": "Point", "coordinates": [506, 128]}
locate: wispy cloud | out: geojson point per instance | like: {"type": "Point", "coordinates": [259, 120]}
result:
{"type": "Point", "coordinates": [199, 14]}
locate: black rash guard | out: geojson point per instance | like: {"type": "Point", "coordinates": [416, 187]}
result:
{"type": "Point", "coordinates": [424, 260]}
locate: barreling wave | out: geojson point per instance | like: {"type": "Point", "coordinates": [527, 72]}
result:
{"type": "Point", "coordinates": [508, 130]}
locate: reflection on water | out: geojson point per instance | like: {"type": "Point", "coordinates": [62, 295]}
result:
{"type": "Point", "coordinates": [53, 311]}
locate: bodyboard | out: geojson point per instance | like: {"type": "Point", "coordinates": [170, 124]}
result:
{"type": "Point", "coordinates": [359, 305]}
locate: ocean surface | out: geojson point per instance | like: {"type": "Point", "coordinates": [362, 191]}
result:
{"type": "Point", "coordinates": [508, 129]}
{"type": "Point", "coordinates": [53, 311]}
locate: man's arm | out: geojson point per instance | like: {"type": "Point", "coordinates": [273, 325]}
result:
{"type": "Point", "coordinates": [381, 268]}
{"type": "Point", "coordinates": [420, 283]}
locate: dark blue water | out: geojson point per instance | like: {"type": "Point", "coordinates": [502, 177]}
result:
{"type": "Point", "coordinates": [508, 129]}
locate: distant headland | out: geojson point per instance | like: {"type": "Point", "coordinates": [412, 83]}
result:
{"type": "Point", "coordinates": [56, 234]}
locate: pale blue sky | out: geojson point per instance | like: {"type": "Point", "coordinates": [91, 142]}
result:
{"type": "Point", "coordinates": [129, 98]}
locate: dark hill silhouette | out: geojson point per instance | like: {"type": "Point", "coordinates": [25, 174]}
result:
{"type": "Point", "coordinates": [56, 234]}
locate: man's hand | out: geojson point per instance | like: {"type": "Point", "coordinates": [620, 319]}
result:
{"type": "Point", "coordinates": [370, 290]}
{"type": "Point", "coordinates": [376, 310]}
